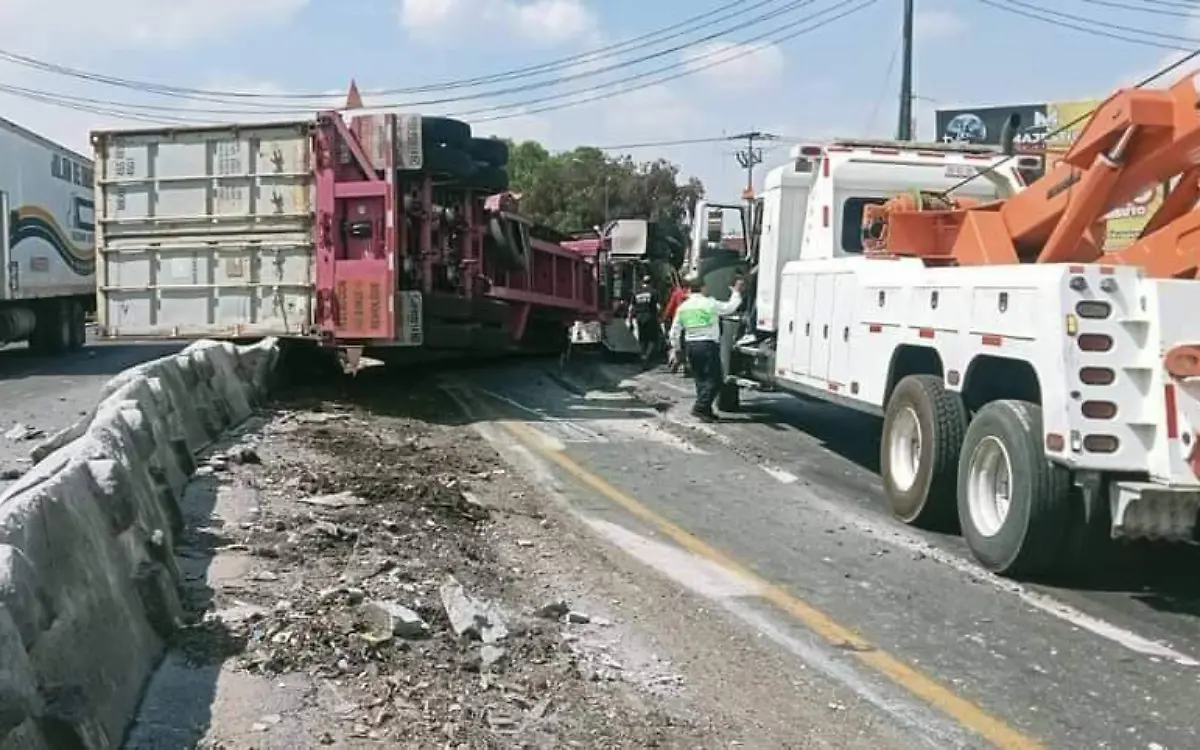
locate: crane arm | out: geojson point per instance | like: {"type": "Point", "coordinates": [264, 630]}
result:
{"type": "Point", "coordinates": [1136, 139]}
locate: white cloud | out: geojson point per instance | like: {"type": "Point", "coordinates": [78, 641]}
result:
{"type": "Point", "coordinates": [542, 21]}
{"type": "Point", "coordinates": [731, 65]}
{"type": "Point", "coordinates": [116, 24]}
{"type": "Point", "coordinates": [931, 25]}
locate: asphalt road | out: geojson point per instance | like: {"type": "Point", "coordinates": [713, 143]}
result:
{"type": "Point", "coordinates": [49, 393]}
{"type": "Point", "coordinates": [777, 517]}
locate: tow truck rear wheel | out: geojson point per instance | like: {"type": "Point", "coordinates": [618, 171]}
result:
{"type": "Point", "coordinates": [1013, 504]}
{"type": "Point", "coordinates": [922, 434]}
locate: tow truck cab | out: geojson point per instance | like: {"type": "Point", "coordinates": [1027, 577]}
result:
{"type": "Point", "coordinates": [813, 205]}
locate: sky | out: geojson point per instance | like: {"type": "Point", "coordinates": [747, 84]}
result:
{"type": "Point", "coordinates": [730, 71]}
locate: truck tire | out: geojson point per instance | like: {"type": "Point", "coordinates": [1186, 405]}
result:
{"type": "Point", "coordinates": [923, 432]}
{"type": "Point", "coordinates": [444, 131]}
{"type": "Point", "coordinates": [489, 179]}
{"type": "Point", "coordinates": [1013, 504]}
{"type": "Point", "coordinates": [505, 245]}
{"type": "Point", "coordinates": [52, 331]}
{"type": "Point", "coordinates": [492, 151]}
{"type": "Point", "coordinates": [77, 317]}
{"type": "Point", "coordinates": [445, 161]}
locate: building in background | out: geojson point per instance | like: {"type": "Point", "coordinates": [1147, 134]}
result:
{"type": "Point", "coordinates": [1047, 130]}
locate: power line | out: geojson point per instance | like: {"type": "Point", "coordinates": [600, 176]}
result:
{"type": "Point", "coordinates": [1178, 11]}
{"type": "Point", "coordinates": [711, 36]}
{"type": "Point", "coordinates": [887, 79]}
{"type": "Point", "coordinates": [723, 60]}
{"type": "Point", "coordinates": [1164, 70]}
{"type": "Point", "coordinates": [651, 38]}
{"type": "Point", "coordinates": [1084, 29]}
{"type": "Point", "coordinates": [639, 80]}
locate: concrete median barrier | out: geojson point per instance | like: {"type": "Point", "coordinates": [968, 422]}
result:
{"type": "Point", "coordinates": [88, 582]}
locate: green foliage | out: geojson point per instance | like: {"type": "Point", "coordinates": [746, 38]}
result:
{"type": "Point", "coordinates": [576, 190]}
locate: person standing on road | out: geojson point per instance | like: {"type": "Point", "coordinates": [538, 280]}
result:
{"type": "Point", "coordinates": [645, 312]}
{"type": "Point", "coordinates": [699, 320]}
{"type": "Point", "coordinates": [678, 295]}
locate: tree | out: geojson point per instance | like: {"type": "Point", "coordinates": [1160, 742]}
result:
{"type": "Point", "coordinates": [577, 190]}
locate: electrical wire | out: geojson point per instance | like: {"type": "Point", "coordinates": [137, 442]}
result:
{"type": "Point", "coordinates": [1177, 11]}
{"type": "Point", "coordinates": [761, 41]}
{"type": "Point", "coordinates": [711, 36]}
{"type": "Point", "coordinates": [997, 4]}
{"type": "Point", "coordinates": [887, 80]}
{"type": "Point", "coordinates": [1164, 70]}
{"type": "Point", "coordinates": [1103, 24]}
{"type": "Point", "coordinates": [689, 68]}
{"type": "Point", "coordinates": [642, 41]}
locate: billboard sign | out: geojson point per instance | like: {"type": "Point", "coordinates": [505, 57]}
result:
{"type": "Point", "coordinates": [984, 125]}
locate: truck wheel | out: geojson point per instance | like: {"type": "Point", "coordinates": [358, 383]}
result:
{"type": "Point", "coordinates": [491, 151]}
{"type": "Point", "coordinates": [77, 318]}
{"type": "Point", "coordinates": [922, 435]}
{"type": "Point", "coordinates": [444, 131]}
{"type": "Point", "coordinates": [52, 331]}
{"type": "Point", "coordinates": [444, 161]}
{"type": "Point", "coordinates": [1013, 503]}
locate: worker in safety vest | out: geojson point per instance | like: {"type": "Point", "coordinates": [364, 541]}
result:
{"type": "Point", "coordinates": [699, 320]}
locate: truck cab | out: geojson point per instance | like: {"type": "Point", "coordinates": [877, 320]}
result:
{"type": "Point", "coordinates": [813, 205]}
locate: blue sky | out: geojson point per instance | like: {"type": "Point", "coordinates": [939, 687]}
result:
{"type": "Point", "coordinates": [832, 81]}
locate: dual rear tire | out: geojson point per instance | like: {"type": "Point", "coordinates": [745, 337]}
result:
{"type": "Point", "coordinates": [61, 327]}
{"type": "Point", "coordinates": [989, 471]}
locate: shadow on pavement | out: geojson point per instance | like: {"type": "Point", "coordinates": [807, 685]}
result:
{"type": "Point", "coordinates": [1159, 577]}
{"type": "Point", "coordinates": [176, 709]}
{"type": "Point", "coordinates": [93, 360]}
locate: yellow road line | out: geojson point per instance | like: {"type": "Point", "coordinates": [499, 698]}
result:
{"type": "Point", "coordinates": [964, 711]}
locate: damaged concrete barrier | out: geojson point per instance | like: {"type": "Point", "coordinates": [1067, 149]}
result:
{"type": "Point", "coordinates": [88, 583]}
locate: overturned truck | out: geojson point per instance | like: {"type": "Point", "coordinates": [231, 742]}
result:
{"type": "Point", "coordinates": [385, 233]}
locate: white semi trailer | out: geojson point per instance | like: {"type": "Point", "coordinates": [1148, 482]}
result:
{"type": "Point", "coordinates": [47, 242]}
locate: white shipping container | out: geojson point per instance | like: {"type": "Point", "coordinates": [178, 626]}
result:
{"type": "Point", "coordinates": [205, 231]}
{"type": "Point", "coordinates": [47, 218]}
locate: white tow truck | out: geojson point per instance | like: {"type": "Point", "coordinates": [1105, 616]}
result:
{"type": "Point", "coordinates": [1028, 402]}
{"type": "Point", "coordinates": [47, 242]}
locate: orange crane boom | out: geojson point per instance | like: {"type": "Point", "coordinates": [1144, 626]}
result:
{"type": "Point", "coordinates": [1136, 139]}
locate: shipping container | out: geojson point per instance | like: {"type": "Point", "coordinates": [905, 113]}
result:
{"type": "Point", "coordinates": [47, 251]}
{"type": "Point", "coordinates": [373, 231]}
{"type": "Point", "coordinates": [205, 231]}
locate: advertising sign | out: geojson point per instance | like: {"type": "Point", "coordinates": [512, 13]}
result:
{"type": "Point", "coordinates": [984, 125]}
{"type": "Point", "coordinates": [1125, 222]}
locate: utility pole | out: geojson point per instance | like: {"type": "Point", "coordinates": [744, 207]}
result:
{"type": "Point", "coordinates": [751, 156]}
{"type": "Point", "coordinates": [904, 127]}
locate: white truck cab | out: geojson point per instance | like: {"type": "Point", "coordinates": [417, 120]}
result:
{"type": "Point", "coordinates": [1032, 401]}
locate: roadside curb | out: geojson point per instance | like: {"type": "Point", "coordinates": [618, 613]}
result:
{"type": "Point", "coordinates": [88, 580]}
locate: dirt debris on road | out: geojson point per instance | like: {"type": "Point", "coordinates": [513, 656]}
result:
{"type": "Point", "coordinates": [373, 563]}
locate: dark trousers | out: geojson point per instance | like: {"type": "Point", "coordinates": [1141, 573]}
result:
{"type": "Point", "coordinates": [705, 359]}
{"type": "Point", "coordinates": [648, 333]}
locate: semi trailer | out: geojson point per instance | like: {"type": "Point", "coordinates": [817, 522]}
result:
{"type": "Point", "coordinates": [1039, 393]}
{"type": "Point", "coordinates": [384, 233]}
{"type": "Point", "coordinates": [47, 256]}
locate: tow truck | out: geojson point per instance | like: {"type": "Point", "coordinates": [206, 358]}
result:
{"type": "Point", "coordinates": [1043, 394]}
